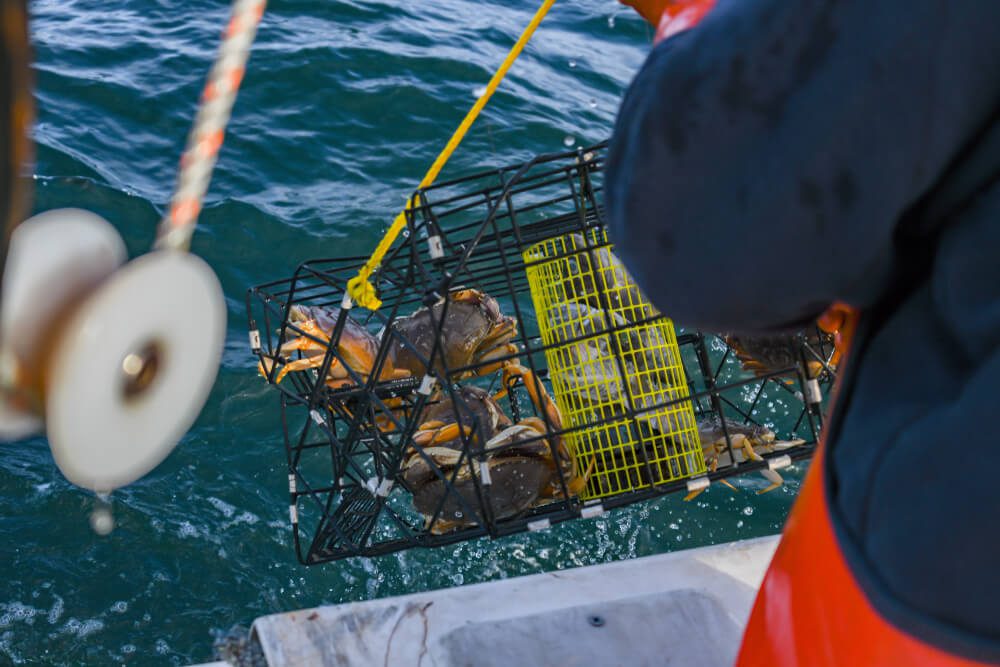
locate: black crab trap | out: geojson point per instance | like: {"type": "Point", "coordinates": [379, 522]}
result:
{"type": "Point", "coordinates": [514, 376]}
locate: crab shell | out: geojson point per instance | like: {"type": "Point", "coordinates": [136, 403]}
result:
{"type": "Point", "coordinates": [356, 345]}
{"type": "Point", "coordinates": [748, 442]}
{"type": "Point", "coordinates": [474, 333]}
{"type": "Point", "coordinates": [518, 460]}
{"type": "Point", "coordinates": [762, 354]}
{"type": "Point", "coordinates": [476, 407]}
{"type": "Point", "coordinates": [713, 436]}
{"type": "Point", "coordinates": [516, 483]}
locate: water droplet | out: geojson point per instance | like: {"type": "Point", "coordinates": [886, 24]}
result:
{"type": "Point", "coordinates": [748, 511]}
{"type": "Point", "coordinates": [479, 92]}
{"type": "Point", "coordinates": [739, 524]}
{"type": "Point", "coordinates": [572, 64]}
{"type": "Point", "coordinates": [569, 141]}
{"type": "Point", "coordinates": [101, 521]}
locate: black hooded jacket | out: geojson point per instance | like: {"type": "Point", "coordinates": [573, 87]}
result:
{"type": "Point", "coordinates": [786, 154]}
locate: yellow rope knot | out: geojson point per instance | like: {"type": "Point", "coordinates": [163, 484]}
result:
{"type": "Point", "coordinates": [360, 289]}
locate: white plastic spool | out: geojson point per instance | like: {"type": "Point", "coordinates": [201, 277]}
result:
{"type": "Point", "coordinates": [129, 355]}
{"type": "Point", "coordinates": [54, 259]}
{"type": "Point", "coordinates": [134, 369]}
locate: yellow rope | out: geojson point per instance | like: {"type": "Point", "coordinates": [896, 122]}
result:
{"type": "Point", "coordinates": [359, 288]}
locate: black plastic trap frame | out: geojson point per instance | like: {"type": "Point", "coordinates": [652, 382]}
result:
{"type": "Point", "coordinates": [513, 378]}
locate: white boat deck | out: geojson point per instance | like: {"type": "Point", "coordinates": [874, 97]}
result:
{"type": "Point", "coordinates": [682, 608]}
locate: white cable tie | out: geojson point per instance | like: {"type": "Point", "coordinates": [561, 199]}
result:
{"type": "Point", "coordinates": [539, 524]}
{"type": "Point", "coordinates": [484, 473]}
{"type": "Point", "coordinates": [293, 514]}
{"type": "Point", "coordinates": [813, 393]}
{"type": "Point", "coordinates": [291, 483]}
{"type": "Point", "coordinates": [427, 385]}
{"type": "Point", "coordinates": [435, 247]}
{"type": "Point", "coordinates": [697, 484]}
{"type": "Point", "coordinates": [779, 462]}
{"type": "Point", "coordinates": [316, 416]}
{"type": "Point", "coordinates": [592, 511]}
{"type": "Point", "coordinates": [378, 486]}
{"type": "Point", "coordinates": [346, 303]}
{"type": "Point", "coordinates": [255, 340]}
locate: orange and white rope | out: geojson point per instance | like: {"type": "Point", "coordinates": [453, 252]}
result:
{"type": "Point", "coordinates": [209, 128]}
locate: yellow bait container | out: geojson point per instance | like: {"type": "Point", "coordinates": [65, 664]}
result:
{"type": "Point", "coordinates": [615, 368]}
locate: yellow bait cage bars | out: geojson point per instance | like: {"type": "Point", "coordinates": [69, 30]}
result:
{"type": "Point", "coordinates": [615, 367]}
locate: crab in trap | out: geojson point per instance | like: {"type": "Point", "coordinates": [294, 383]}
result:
{"type": "Point", "coordinates": [472, 336]}
{"type": "Point", "coordinates": [468, 447]}
{"type": "Point", "coordinates": [765, 354]}
{"type": "Point", "coordinates": [357, 348]}
{"type": "Point", "coordinates": [749, 441]}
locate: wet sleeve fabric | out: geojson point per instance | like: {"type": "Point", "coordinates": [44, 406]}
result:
{"type": "Point", "coordinates": [762, 161]}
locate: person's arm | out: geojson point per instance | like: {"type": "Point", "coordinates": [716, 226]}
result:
{"type": "Point", "coordinates": [762, 160]}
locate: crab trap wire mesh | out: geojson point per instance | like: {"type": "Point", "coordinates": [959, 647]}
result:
{"type": "Point", "coordinates": [513, 378]}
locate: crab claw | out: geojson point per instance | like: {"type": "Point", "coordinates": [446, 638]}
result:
{"type": "Point", "coordinates": [536, 391]}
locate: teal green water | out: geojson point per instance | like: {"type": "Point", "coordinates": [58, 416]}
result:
{"type": "Point", "coordinates": [344, 105]}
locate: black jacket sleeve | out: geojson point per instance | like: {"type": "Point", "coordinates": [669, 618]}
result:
{"type": "Point", "coordinates": [761, 162]}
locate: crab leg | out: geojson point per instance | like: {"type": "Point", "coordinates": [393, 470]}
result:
{"type": "Point", "coordinates": [575, 482]}
{"type": "Point", "coordinates": [425, 437]}
{"type": "Point", "coordinates": [536, 391]}
{"type": "Point", "coordinates": [772, 477]}
{"type": "Point", "coordinates": [293, 366]}
{"type": "Point", "coordinates": [502, 353]}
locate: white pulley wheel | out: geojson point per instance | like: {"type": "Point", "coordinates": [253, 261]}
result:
{"type": "Point", "coordinates": [134, 369]}
{"type": "Point", "coordinates": [54, 259]}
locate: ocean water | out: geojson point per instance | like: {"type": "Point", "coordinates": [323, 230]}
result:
{"type": "Point", "coordinates": [344, 105]}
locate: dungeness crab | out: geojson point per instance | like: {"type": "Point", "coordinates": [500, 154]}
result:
{"type": "Point", "coordinates": [474, 444]}
{"type": "Point", "coordinates": [748, 440]}
{"type": "Point", "coordinates": [763, 354]}
{"type": "Point", "coordinates": [475, 337]}
{"type": "Point", "coordinates": [356, 346]}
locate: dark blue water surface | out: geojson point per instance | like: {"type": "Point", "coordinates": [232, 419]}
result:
{"type": "Point", "coordinates": [344, 105]}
